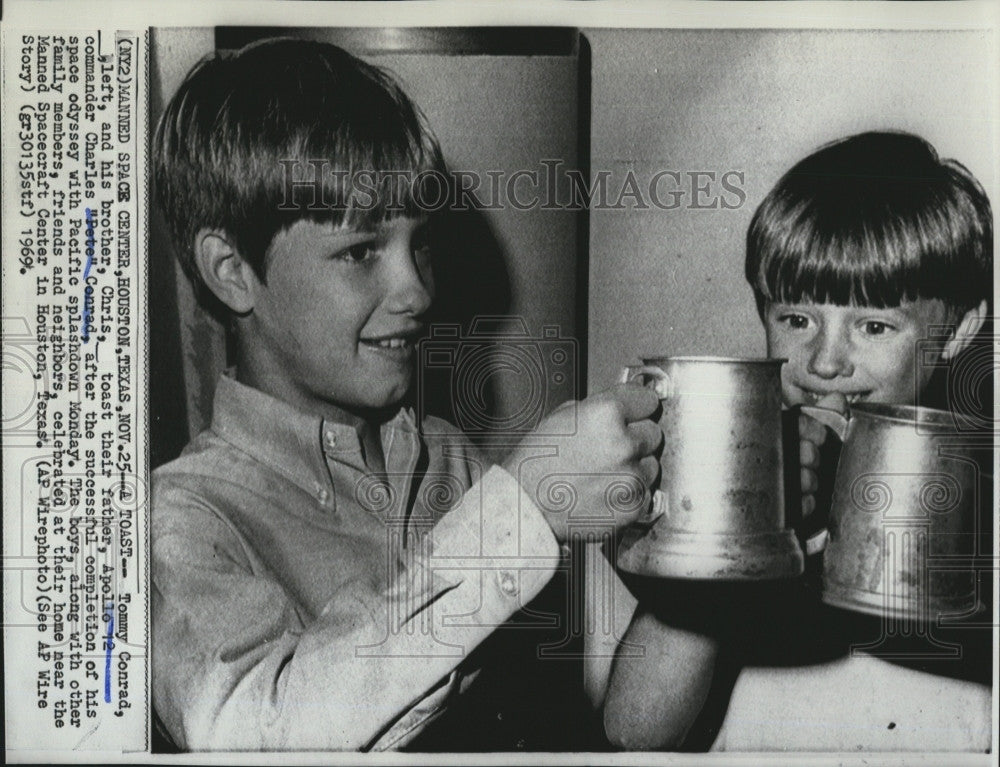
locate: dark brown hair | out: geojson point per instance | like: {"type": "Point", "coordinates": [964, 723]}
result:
{"type": "Point", "coordinates": [872, 220]}
{"type": "Point", "coordinates": [242, 121]}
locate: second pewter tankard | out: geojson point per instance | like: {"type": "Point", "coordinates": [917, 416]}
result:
{"type": "Point", "coordinates": [903, 521]}
{"type": "Point", "coordinates": [722, 499]}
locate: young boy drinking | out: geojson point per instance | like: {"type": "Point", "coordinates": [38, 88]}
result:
{"type": "Point", "coordinates": [860, 252]}
{"type": "Point", "coordinates": [322, 563]}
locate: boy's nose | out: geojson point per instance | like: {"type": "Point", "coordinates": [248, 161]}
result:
{"type": "Point", "coordinates": [412, 288]}
{"type": "Point", "coordinates": [830, 356]}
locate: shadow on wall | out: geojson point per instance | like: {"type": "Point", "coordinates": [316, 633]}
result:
{"type": "Point", "coordinates": [471, 279]}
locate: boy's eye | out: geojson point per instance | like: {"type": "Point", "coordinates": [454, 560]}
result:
{"type": "Point", "coordinates": [795, 321]}
{"type": "Point", "coordinates": [876, 328]}
{"type": "Point", "coordinates": [362, 251]}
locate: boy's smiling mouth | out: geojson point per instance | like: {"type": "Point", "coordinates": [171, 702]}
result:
{"type": "Point", "coordinates": [390, 343]}
{"type": "Point", "coordinates": [400, 343]}
{"type": "Point", "coordinates": [811, 396]}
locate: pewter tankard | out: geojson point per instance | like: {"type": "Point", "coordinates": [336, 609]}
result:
{"type": "Point", "coordinates": [902, 522]}
{"type": "Point", "coordinates": [721, 503]}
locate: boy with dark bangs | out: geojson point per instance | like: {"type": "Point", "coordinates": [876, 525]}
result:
{"type": "Point", "coordinates": [322, 564]}
{"type": "Point", "coordinates": [861, 252]}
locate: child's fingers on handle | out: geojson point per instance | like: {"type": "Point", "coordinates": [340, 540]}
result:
{"type": "Point", "coordinates": [808, 505]}
{"type": "Point", "coordinates": [808, 454]}
{"type": "Point", "coordinates": [649, 468]}
{"type": "Point", "coordinates": [811, 430]}
{"type": "Point", "coordinates": [646, 437]}
{"type": "Point", "coordinates": [636, 402]}
{"type": "Point", "coordinates": [808, 480]}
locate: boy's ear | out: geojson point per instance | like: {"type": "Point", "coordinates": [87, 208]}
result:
{"type": "Point", "coordinates": [224, 270]}
{"type": "Point", "coordinates": [967, 328]}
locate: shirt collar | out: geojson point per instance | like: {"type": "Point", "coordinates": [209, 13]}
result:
{"type": "Point", "coordinates": [293, 442]}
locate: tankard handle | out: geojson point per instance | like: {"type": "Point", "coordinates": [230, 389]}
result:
{"type": "Point", "coordinates": [829, 418]}
{"type": "Point", "coordinates": [646, 374]}
{"type": "Point", "coordinates": [632, 374]}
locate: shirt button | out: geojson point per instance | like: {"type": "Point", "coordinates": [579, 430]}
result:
{"type": "Point", "coordinates": [508, 583]}
{"type": "Point", "coordinates": [323, 495]}
{"type": "Point", "coordinates": [331, 439]}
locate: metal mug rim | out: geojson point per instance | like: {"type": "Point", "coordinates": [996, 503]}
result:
{"type": "Point", "coordinates": [913, 415]}
{"type": "Point", "coordinates": [694, 358]}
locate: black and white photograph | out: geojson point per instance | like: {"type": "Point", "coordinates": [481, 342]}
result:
{"type": "Point", "coordinates": [568, 387]}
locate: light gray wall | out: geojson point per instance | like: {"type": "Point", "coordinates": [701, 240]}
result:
{"type": "Point", "coordinates": [752, 101]}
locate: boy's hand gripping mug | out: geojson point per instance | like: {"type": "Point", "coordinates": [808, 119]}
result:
{"type": "Point", "coordinates": [720, 511]}
{"type": "Point", "coordinates": [902, 525]}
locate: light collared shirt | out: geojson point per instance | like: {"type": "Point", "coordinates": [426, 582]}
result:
{"type": "Point", "coordinates": [300, 602]}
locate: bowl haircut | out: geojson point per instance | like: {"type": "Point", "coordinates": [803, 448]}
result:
{"type": "Point", "coordinates": [873, 220]}
{"type": "Point", "coordinates": [282, 130]}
